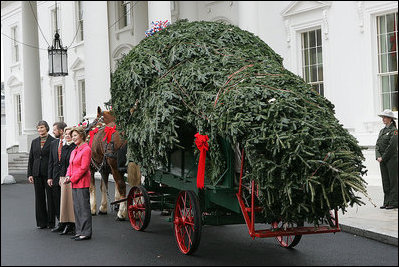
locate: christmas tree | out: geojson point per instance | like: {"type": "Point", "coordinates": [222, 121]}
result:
{"type": "Point", "coordinates": [227, 83]}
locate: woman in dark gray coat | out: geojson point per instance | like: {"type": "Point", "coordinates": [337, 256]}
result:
{"type": "Point", "coordinates": [37, 175]}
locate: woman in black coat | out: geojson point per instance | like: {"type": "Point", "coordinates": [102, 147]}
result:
{"type": "Point", "coordinates": [37, 175]}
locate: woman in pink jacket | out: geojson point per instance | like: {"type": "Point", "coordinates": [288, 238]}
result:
{"type": "Point", "coordinates": [78, 174]}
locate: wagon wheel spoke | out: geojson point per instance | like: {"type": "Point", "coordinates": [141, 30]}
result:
{"type": "Point", "coordinates": [189, 236]}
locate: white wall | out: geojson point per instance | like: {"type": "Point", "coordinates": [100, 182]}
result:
{"type": "Point", "coordinates": [349, 53]}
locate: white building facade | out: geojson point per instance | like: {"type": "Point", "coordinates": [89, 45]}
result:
{"type": "Point", "coordinates": [347, 50]}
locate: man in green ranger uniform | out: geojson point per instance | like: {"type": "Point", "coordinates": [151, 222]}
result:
{"type": "Point", "coordinates": [386, 153]}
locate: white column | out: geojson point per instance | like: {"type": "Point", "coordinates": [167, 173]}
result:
{"type": "Point", "coordinates": [5, 177]}
{"type": "Point", "coordinates": [97, 56]}
{"type": "Point", "coordinates": [248, 16]}
{"type": "Point", "coordinates": [159, 10]}
{"type": "Point", "coordinates": [31, 101]}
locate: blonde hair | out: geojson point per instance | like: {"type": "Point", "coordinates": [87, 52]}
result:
{"type": "Point", "coordinates": [80, 131]}
{"type": "Point", "coordinates": [68, 129]}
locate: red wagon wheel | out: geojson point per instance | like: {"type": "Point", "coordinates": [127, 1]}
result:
{"type": "Point", "coordinates": [138, 205]}
{"type": "Point", "coordinates": [187, 222]}
{"type": "Point", "coordinates": [288, 241]}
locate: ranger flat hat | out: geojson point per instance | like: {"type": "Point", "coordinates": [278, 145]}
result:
{"type": "Point", "coordinates": [387, 113]}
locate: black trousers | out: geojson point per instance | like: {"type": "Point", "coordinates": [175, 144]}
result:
{"type": "Point", "coordinates": [45, 213]}
{"type": "Point", "coordinates": [56, 200]}
{"type": "Point", "coordinates": [389, 174]}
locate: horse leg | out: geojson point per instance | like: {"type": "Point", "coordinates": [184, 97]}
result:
{"type": "Point", "coordinates": [104, 190]}
{"type": "Point", "coordinates": [93, 201]}
{"type": "Point", "coordinates": [120, 190]}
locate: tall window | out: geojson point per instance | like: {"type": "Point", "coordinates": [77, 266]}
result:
{"type": "Point", "coordinates": [82, 98]}
{"type": "Point", "coordinates": [312, 60]}
{"type": "Point", "coordinates": [387, 35]}
{"type": "Point", "coordinates": [19, 113]}
{"type": "Point", "coordinates": [79, 22]}
{"type": "Point", "coordinates": [55, 17]}
{"type": "Point", "coordinates": [15, 48]}
{"type": "Point", "coordinates": [59, 103]}
{"type": "Point", "coordinates": [124, 13]}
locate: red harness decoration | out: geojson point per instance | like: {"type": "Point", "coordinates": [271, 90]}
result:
{"type": "Point", "coordinates": [92, 133]}
{"type": "Point", "coordinates": [108, 133]}
{"type": "Point", "coordinates": [202, 143]}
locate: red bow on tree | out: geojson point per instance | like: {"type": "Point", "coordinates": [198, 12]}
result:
{"type": "Point", "coordinates": [92, 133]}
{"type": "Point", "coordinates": [108, 133]}
{"type": "Point", "coordinates": [202, 143]}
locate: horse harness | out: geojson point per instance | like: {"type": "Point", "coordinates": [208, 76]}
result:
{"type": "Point", "coordinates": [109, 152]}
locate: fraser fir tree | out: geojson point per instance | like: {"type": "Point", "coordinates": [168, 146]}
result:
{"type": "Point", "coordinates": [226, 82]}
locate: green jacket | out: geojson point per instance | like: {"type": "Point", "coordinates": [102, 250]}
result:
{"type": "Point", "coordinates": [387, 143]}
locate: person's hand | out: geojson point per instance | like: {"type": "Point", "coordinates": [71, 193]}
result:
{"type": "Point", "coordinates": [50, 182]}
{"type": "Point", "coordinates": [30, 179]}
{"type": "Point", "coordinates": [59, 181]}
{"type": "Point", "coordinates": [67, 180]}
{"type": "Point", "coordinates": [379, 159]}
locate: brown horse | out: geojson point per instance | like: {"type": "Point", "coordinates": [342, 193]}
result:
{"type": "Point", "coordinates": [104, 161]}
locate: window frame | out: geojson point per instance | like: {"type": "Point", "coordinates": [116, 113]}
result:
{"type": "Point", "coordinates": [318, 83]}
{"type": "Point", "coordinates": [14, 45]}
{"type": "Point", "coordinates": [79, 22]}
{"type": "Point", "coordinates": [52, 20]}
{"type": "Point", "coordinates": [18, 113]}
{"type": "Point", "coordinates": [121, 9]}
{"type": "Point", "coordinates": [82, 98]}
{"type": "Point", "coordinates": [59, 109]}
{"type": "Point", "coordinates": [378, 52]}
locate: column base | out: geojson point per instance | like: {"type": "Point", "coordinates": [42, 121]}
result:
{"type": "Point", "coordinates": [25, 142]}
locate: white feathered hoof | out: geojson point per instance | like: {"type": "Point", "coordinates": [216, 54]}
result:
{"type": "Point", "coordinates": [101, 213]}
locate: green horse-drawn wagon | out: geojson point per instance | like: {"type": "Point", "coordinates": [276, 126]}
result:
{"type": "Point", "coordinates": [227, 201]}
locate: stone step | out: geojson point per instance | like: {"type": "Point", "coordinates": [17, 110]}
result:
{"type": "Point", "coordinates": [21, 159]}
{"type": "Point", "coordinates": [10, 166]}
{"type": "Point", "coordinates": [16, 169]}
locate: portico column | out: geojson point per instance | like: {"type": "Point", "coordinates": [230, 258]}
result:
{"type": "Point", "coordinates": [248, 16]}
{"type": "Point", "coordinates": [159, 10]}
{"type": "Point", "coordinates": [31, 101]}
{"type": "Point", "coordinates": [97, 56]}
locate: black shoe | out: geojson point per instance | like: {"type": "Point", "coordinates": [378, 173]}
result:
{"type": "Point", "coordinates": [82, 237]}
{"type": "Point", "coordinates": [69, 228]}
{"type": "Point", "coordinates": [60, 227]}
{"type": "Point", "coordinates": [383, 207]}
{"type": "Point", "coordinates": [390, 207]}
{"type": "Point", "coordinates": [66, 230]}
{"type": "Point", "coordinates": [41, 227]}
{"type": "Point", "coordinates": [75, 236]}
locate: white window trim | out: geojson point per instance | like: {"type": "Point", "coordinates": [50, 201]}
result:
{"type": "Point", "coordinates": [51, 30]}
{"type": "Point", "coordinates": [78, 41]}
{"type": "Point", "coordinates": [371, 21]}
{"type": "Point", "coordinates": [13, 61]}
{"type": "Point", "coordinates": [55, 95]}
{"type": "Point", "coordinates": [129, 27]}
{"type": "Point", "coordinates": [301, 63]}
{"type": "Point", "coordinates": [80, 115]}
{"type": "Point", "coordinates": [16, 113]}
{"type": "Point", "coordinates": [296, 30]}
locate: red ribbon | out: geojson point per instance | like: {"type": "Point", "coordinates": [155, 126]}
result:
{"type": "Point", "coordinates": [108, 133]}
{"type": "Point", "coordinates": [92, 133]}
{"type": "Point", "coordinates": [202, 143]}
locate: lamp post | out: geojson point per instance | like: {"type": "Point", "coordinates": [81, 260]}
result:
{"type": "Point", "coordinates": [57, 54]}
